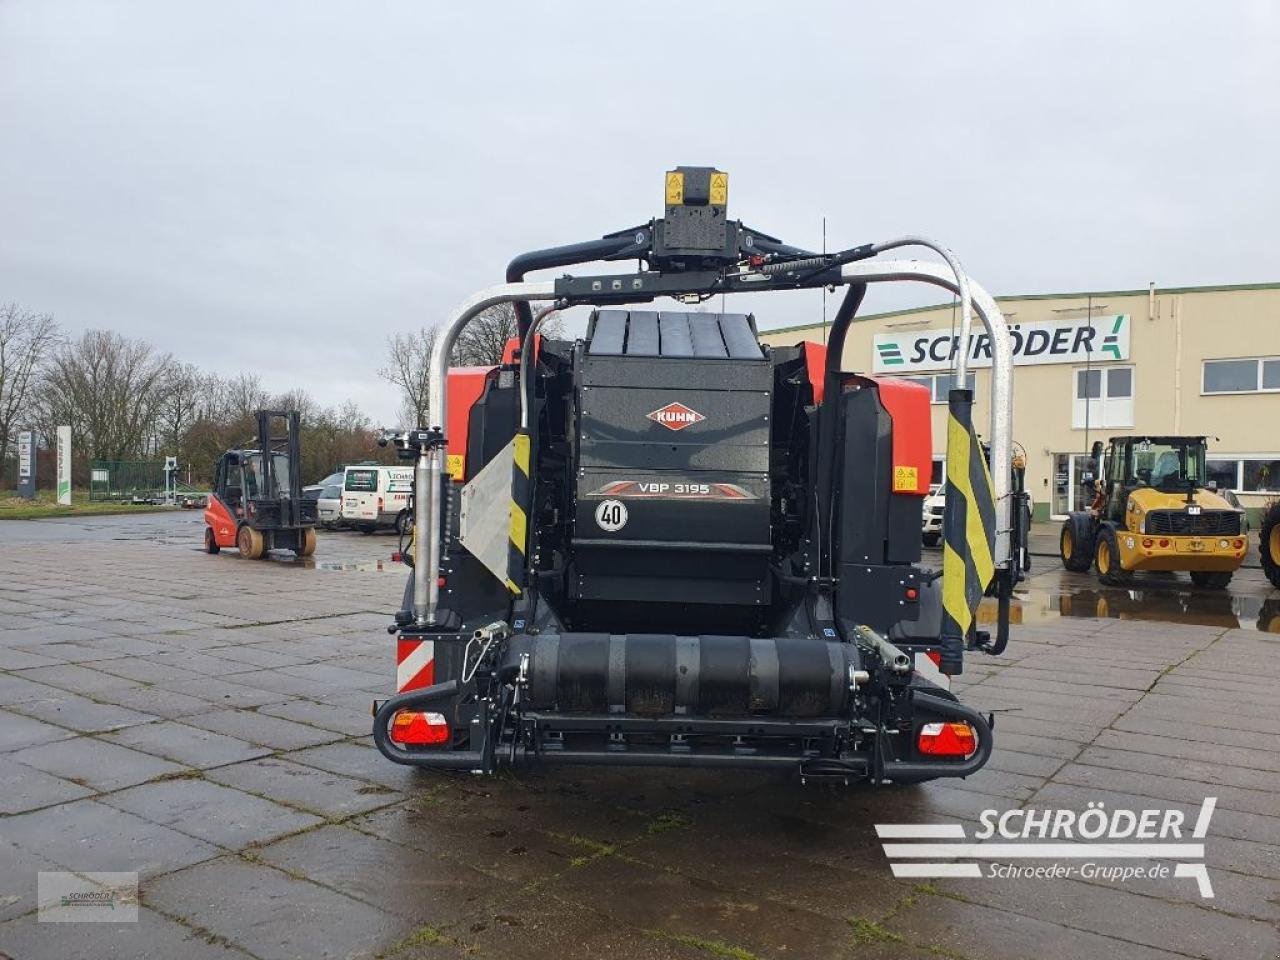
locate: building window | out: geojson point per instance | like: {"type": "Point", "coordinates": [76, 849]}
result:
{"type": "Point", "coordinates": [1102, 397]}
{"type": "Point", "coordinates": [939, 385]}
{"type": "Point", "coordinates": [1226, 473]}
{"type": "Point", "coordinates": [1260, 475]}
{"type": "Point", "coordinates": [1251, 375]}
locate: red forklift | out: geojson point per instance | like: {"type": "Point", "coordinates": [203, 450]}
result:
{"type": "Point", "coordinates": [257, 503]}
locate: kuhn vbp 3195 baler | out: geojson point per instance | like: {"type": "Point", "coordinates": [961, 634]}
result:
{"type": "Point", "coordinates": [667, 543]}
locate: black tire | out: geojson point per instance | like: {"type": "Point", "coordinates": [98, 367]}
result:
{"type": "Point", "coordinates": [368, 528]}
{"type": "Point", "coordinates": [404, 520]}
{"type": "Point", "coordinates": [1269, 545]}
{"type": "Point", "coordinates": [931, 539]}
{"type": "Point", "coordinates": [1106, 559]}
{"type": "Point", "coordinates": [1077, 557]}
{"type": "Point", "coordinates": [210, 542]}
{"type": "Point", "coordinates": [1211, 580]}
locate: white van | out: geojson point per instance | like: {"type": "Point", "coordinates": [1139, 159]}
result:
{"type": "Point", "coordinates": [373, 496]}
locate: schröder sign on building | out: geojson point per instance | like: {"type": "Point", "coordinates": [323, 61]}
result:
{"type": "Point", "coordinates": [1101, 339]}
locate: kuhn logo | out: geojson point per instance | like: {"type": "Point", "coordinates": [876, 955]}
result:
{"type": "Point", "coordinates": [676, 416]}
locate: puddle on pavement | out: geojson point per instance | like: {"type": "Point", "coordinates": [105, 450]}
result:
{"type": "Point", "coordinates": [1160, 606]}
{"type": "Point", "coordinates": [310, 563]}
{"type": "Point", "coordinates": [362, 565]}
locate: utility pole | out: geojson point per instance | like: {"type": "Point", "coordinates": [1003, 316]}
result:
{"type": "Point", "coordinates": [824, 289]}
{"type": "Point", "coordinates": [1088, 402]}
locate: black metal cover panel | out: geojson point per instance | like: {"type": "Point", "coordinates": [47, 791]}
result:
{"type": "Point", "coordinates": [624, 426]}
{"type": "Point", "coordinates": [680, 446]}
{"type": "Point", "coordinates": [645, 333]}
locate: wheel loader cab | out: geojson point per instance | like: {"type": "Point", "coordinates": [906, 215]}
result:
{"type": "Point", "coordinates": [1155, 513]}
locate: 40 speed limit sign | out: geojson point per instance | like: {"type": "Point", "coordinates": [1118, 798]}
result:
{"type": "Point", "coordinates": [611, 515]}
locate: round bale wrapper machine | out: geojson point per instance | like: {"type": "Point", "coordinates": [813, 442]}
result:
{"type": "Point", "coordinates": [666, 543]}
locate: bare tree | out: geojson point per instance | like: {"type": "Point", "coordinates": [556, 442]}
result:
{"type": "Point", "coordinates": [481, 344]}
{"type": "Point", "coordinates": [26, 340]}
{"type": "Point", "coordinates": [484, 339]}
{"type": "Point", "coordinates": [184, 397]}
{"type": "Point", "coordinates": [110, 389]}
{"type": "Point", "coordinates": [409, 369]}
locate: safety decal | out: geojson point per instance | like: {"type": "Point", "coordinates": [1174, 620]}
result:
{"type": "Point", "coordinates": [675, 416]}
{"type": "Point", "coordinates": [415, 664]}
{"type": "Point", "coordinates": [611, 515]}
{"type": "Point", "coordinates": [672, 490]}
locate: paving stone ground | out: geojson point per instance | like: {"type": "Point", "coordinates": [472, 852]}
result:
{"type": "Point", "coordinates": [203, 721]}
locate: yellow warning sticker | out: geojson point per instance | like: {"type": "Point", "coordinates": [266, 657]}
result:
{"type": "Point", "coordinates": [905, 478]}
{"type": "Point", "coordinates": [675, 188]}
{"type": "Point", "coordinates": [455, 463]}
{"type": "Point", "coordinates": [719, 189]}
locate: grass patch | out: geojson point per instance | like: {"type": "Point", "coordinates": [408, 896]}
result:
{"type": "Point", "coordinates": [936, 951]}
{"type": "Point", "coordinates": [46, 505]}
{"type": "Point", "coordinates": [424, 936]}
{"type": "Point", "coordinates": [717, 948]}
{"type": "Point", "coordinates": [934, 890]}
{"type": "Point", "coordinates": [868, 931]}
{"type": "Point", "coordinates": [666, 821]}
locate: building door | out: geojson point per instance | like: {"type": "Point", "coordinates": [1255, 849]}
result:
{"type": "Point", "coordinates": [1069, 492]}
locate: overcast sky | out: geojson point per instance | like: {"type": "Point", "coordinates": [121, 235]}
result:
{"type": "Point", "coordinates": [277, 186]}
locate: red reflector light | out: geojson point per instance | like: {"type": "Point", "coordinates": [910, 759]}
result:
{"type": "Point", "coordinates": [439, 581]}
{"type": "Point", "coordinates": [1239, 544]}
{"type": "Point", "coordinates": [947, 740]}
{"type": "Point", "coordinates": [1164, 543]}
{"type": "Point", "coordinates": [935, 656]}
{"type": "Point", "coordinates": [419, 729]}
{"type": "Point", "coordinates": [912, 593]}
{"type": "Point", "coordinates": [1148, 543]}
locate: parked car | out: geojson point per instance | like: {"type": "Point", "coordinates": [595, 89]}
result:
{"type": "Point", "coordinates": [931, 521]}
{"type": "Point", "coordinates": [333, 479]}
{"type": "Point", "coordinates": [376, 496]}
{"type": "Point", "coordinates": [1231, 498]}
{"type": "Point", "coordinates": [328, 498]}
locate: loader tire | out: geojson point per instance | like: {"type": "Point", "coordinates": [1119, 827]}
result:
{"type": "Point", "coordinates": [931, 539]}
{"type": "Point", "coordinates": [1269, 545]}
{"type": "Point", "coordinates": [1106, 560]}
{"type": "Point", "coordinates": [210, 541]}
{"type": "Point", "coordinates": [250, 542]}
{"type": "Point", "coordinates": [1075, 556]}
{"type": "Point", "coordinates": [1210, 579]}
{"type": "Point", "coordinates": [307, 542]}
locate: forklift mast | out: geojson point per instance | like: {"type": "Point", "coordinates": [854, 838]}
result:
{"type": "Point", "coordinates": [278, 436]}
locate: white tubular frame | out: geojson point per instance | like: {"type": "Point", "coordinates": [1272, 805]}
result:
{"type": "Point", "coordinates": [426, 553]}
{"type": "Point", "coordinates": [949, 276]}
{"type": "Point", "coordinates": [1001, 435]}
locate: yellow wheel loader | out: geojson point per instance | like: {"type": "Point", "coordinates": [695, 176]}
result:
{"type": "Point", "coordinates": [1153, 510]}
{"type": "Point", "coordinates": [1269, 544]}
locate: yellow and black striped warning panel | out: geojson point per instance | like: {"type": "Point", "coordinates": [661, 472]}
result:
{"type": "Point", "coordinates": [518, 531]}
{"type": "Point", "coordinates": [968, 530]}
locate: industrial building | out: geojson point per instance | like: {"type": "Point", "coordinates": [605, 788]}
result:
{"type": "Point", "coordinates": [1091, 365]}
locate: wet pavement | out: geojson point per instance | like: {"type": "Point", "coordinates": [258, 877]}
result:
{"type": "Point", "coordinates": [203, 721]}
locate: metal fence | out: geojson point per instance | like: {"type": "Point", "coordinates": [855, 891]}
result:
{"type": "Point", "coordinates": [126, 480]}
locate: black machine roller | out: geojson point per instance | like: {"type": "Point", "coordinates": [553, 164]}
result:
{"type": "Point", "coordinates": [697, 550]}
